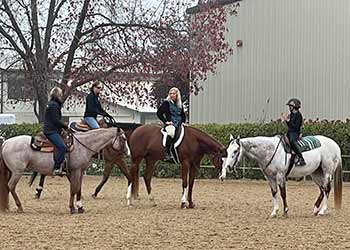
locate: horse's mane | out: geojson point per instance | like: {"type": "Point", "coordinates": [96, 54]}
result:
{"type": "Point", "coordinates": [205, 134]}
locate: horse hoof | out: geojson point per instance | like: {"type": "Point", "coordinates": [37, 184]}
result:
{"type": "Point", "coordinates": [272, 216]}
{"type": "Point", "coordinates": [323, 213]}
{"type": "Point", "coordinates": [183, 205]}
{"type": "Point", "coordinates": [191, 205]}
{"type": "Point", "coordinates": [81, 210]}
{"type": "Point", "coordinates": [73, 211]}
{"type": "Point", "coordinates": [19, 210]}
{"type": "Point", "coordinates": [316, 210]}
{"type": "Point", "coordinates": [94, 196]}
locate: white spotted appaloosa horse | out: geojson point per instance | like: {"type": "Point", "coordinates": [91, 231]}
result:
{"type": "Point", "coordinates": [321, 163]}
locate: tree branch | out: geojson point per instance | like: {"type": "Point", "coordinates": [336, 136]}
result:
{"type": "Point", "coordinates": [36, 33]}
{"type": "Point", "coordinates": [75, 42]}
{"type": "Point", "coordinates": [13, 43]}
{"type": "Point", "coordinates": [16, 27]}
{"type": "Point", "coordinates": [49, 26]}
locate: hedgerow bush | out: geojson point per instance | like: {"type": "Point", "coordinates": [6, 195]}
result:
{"type": "Point", "coordinates": [338, 131]}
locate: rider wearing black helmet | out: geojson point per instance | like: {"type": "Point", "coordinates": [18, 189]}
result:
{"type": "Point", "coordinates": [294, 121]}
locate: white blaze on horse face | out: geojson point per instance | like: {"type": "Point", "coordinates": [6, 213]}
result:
{"type": "Point", "coordinates": [233, 154]}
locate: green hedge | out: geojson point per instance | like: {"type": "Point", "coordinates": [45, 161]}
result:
{"type": "Point", "coordinates": [338, 131]}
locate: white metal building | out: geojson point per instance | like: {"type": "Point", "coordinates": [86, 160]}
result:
{"type": "Point", "coordinates": [298, 48]}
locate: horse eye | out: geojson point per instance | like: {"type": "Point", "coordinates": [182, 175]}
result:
{"type": "Point", "coordinates": [235, 151]}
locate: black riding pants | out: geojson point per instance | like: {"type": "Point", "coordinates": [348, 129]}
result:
{"type": "Point", "coordinates": [293, 138]}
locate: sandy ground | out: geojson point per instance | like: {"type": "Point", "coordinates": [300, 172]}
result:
{"type": "Point", "coordinates": [228, 215]}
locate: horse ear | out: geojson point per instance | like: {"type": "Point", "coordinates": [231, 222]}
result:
{"type": "Point", "coordinates": [231, 137]}
{"type": "Point", "coordinates": [238, 140]}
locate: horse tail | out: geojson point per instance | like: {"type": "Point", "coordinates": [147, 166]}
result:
{"type": "Point", "coordinates": [338, 185]}
{"type": "Point", "coordinates": [4, 189]}
{"type": "Point", "coordinates": [32, 178]}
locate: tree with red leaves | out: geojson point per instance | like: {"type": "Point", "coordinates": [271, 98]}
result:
{"type": "Point", "coordinates": [119, 42]}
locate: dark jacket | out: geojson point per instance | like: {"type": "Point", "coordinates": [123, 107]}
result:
{"type": "Point", "coordinates": [93, 106]}
{"type": "Point", "coordinates": [53, 116]}
{"type": "Point", "coordinates": [164, 114]}
{"type": "Point", "coordinates": [295, 122]}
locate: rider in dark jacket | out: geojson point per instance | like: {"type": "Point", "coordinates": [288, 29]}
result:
{"type": "Point", "coordinates": [93, 106]}
{"type": "Point", "coordinates": [53, 126]}
{"type": "Point", "coordinates": [172, 114]}
{"type": "Point", "coordinates": [294, 121]}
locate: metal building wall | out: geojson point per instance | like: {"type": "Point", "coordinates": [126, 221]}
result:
{"type": "Point", "coordinates": [298, 48]}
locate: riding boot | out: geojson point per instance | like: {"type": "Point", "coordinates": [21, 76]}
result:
{"type": "Point", "coordinates": [296, 149]}
{"type": "Point", "coordinates": [168, 156]}
{"type": "Point", "coordinates": [300, 162]}
{"type": "Point", "coordinates": [60, 170]}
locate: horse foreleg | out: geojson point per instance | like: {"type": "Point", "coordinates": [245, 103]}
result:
{"type": "Point", "coordinates": [106, 173]}
{"type": "Point", "coordinates": [74, 188]}
{"type": "Point", "coordinates": [150, 166]}
{"type": "Point", "coordinates": [273, 185]}
{"type": "Point", "coordinates": [40, 187]}
{"type": "Point", "coordinates": [282, 186]}
{"type": "Point", "coordinates": [192, 176]}
{"type": "Point", "coordinates": [79, 203]}
{"type": "Point", "coordinates": [12, 188]}
{"type": "Point", "coordinates": [184, 173]}
{"type": "Point", "coordinates": [124, 168]}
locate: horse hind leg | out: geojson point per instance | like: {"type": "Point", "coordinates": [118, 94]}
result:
{"type": "Point", "coordinates": [327, 189]}
{"type": "Point", "coordinates": [150, 166]}
{"type": "Point", "coordinates": [133, 186]}
{"type": "Point", "coordinates": [106, 174]}
{"type": "Point", "coordinates": [318, 178]}
{"type": "Point", "coordinates": [12, 187]}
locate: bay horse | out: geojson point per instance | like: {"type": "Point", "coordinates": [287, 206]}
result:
{"type": "Point", "coordinates": [17, 155]}
{"type": "Point", "coordinates": [109, 155]}
{"type": "Point", "coordinates": [146, 143]}
{"type": "Point", "coordinates": [321, 163]}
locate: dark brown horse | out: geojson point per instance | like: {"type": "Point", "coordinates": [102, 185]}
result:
{"type": "Point", "coordinates": [110, 156]}
{"type": "Point", "coordinates": [146, 143]}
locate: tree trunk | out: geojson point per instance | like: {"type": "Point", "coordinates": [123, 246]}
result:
{"type": "Point", "coordinates": [42, 102]}
{"type": "Point", "coordinates": [41, 81]}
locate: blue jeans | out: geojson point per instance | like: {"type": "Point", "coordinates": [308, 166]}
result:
{"type": "Point", "coordinates": [61, 148]}
{"type": "Point", "coordinates": [92, 122]}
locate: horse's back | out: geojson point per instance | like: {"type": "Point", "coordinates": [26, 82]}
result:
{"type": "Point", "coordinates": [144, 134]}
{"type": "Point", "coordinates": [17, 141]}
{"type": "Point", "coordinates": [328, 143]}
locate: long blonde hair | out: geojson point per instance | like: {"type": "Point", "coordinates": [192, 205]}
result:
{"type": "Point", "coordinates": [178, 98]}
{"type": "Point", "coordinates": [56, 92]}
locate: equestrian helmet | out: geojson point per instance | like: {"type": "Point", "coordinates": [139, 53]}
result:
{"type": "Point", "coordinates": [294, 102]}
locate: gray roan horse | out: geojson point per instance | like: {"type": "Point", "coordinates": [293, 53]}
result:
{"type": "Point", "coordinates": [110, 156]}
{"type": "Point", "coordinates": [321, 163]}
{"type": "Point", "coordinates": [17, 155]}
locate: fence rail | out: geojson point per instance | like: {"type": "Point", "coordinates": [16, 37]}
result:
{"type": "Point", "coordinates": [244, 168]}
